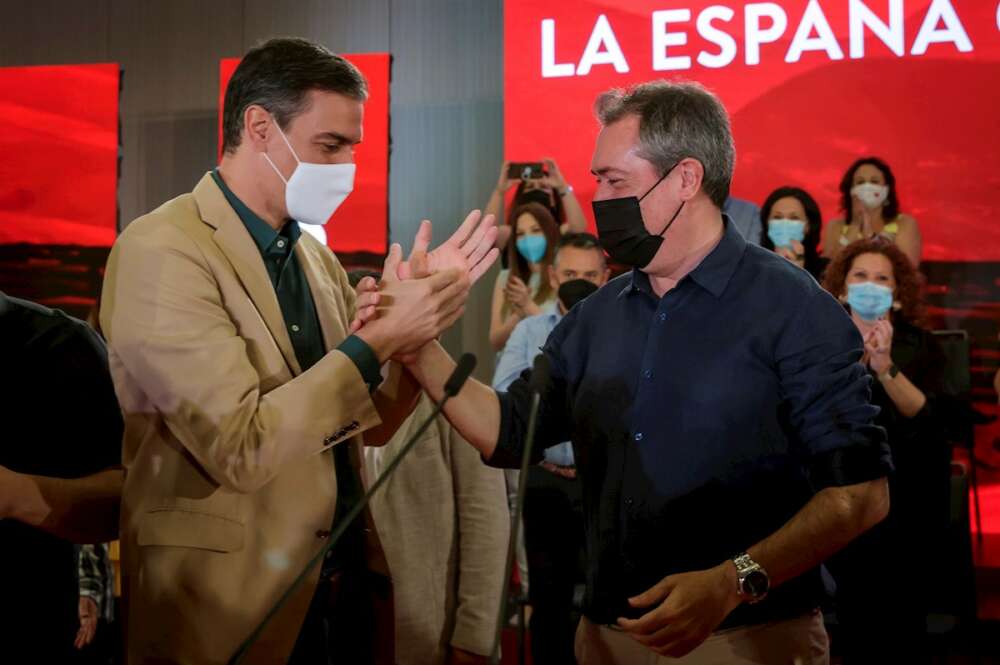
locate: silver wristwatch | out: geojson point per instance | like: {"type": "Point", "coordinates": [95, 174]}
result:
{"type": "Point", "coordinates": [752, 580]}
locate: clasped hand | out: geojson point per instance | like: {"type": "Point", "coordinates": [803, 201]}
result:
{"type": "Point", "coordinates": [421, 297]}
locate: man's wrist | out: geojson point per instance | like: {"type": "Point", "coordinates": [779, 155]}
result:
{"type": "Point", "coordinates": [382, 345]}
{"type": "Point", "coordinates": [887, 374]}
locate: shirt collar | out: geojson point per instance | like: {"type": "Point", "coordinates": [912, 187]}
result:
{"type": "Point", "coordinates": [551, 310]}
{"type": "Point", "coordinates": [714, 271]}
{"type": "Point", "coordinates": [268, 240]}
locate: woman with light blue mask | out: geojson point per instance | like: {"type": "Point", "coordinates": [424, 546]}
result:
{"type": "Point", "coordinates": [790, 226]}
{"type": "Point", "coordinates": [523, 289]}
{"type": "Point", "coordinates": [880, 612]}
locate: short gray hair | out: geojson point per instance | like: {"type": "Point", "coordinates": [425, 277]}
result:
{"type": "Point", "coordinates": [677, 120]}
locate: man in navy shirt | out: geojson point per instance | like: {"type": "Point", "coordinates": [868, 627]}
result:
{"type": "Point", "coordinates": [720, 418]}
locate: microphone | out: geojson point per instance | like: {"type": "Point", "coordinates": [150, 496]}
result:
{"type": "Point", "coordinates": [539, 382]}
{"type": "Point", "coordinates": [466, 364]}
{"type": "Point", "coordinates": [452, 386]}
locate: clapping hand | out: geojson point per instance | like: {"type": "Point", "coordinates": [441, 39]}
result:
{"type": "Point", "coordinates": [878, 346]}
{"type": "Point", "coordinates": [469, 250]}
{"type": "Point", "coordinates": [795, 253]}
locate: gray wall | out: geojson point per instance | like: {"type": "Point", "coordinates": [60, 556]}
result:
{"type": "Point", "coordinates": [446, 94]}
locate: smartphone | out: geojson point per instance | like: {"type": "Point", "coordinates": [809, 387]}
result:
{"type": "Point", "coordinates": [525, 171]}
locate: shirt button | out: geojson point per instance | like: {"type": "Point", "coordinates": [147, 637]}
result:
{"type": "Point", "coordinates": [638, 436]}
{"type": "Point", "coordinates": [295, 327]}
{"type": "Point", "coordinates": [663, 316]}
{"type": "Point", "coordinates": [648, 373]}
{"type": "Point", "coordinates": [281, 243]}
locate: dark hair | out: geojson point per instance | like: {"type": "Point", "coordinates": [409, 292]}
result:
{"type": "Point", "coordinates": [890, 209]}
{"type": "Point", "coordinates": [278, 75]}
{"type": "Point", "coordinates": [557, 210]}
{"type": "Point", "coordinates": [908, 280]}
{"type": "Point", "coordinates": [813, 262]}
{"type": "Point", "coordinates": [518, 264]}
{"type": "Point", "coordinates": [677, 120]}
{"type": "Point", "coordinates": [580, 241]}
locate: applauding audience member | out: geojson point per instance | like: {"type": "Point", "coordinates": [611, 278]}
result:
{"type": "Point", "coordinates": [880, 608]}
{"type": "Point", "coordinates": [871, 207]}
{"type": "Point", "coordinates": [523, 289]}
{"type": "Point", "coordinates": [790, 226]}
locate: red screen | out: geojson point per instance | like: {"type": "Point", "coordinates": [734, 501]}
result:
{"type": "Point", "coordinates": [58, 154]}
{"type": "Point", "coordinates": [361, 223]}
{"type": "Point", "coordinates": [810, 86]}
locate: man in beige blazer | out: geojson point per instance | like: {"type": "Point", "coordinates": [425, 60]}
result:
{"type": "Point", "coordinates": [244, 393]}
{"type": "Point", "coordinates": [444, 523]}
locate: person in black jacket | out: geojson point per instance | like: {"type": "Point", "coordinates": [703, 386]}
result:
{"type": "Point", "coordinates": [60, 477]}
{"type": "Point", "coordinates": [881, 593]}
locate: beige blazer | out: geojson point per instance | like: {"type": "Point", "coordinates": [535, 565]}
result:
{"type": "Point", "coordinates": [443, 520]}
{"type": "Point", "coordinates": [230, 486]}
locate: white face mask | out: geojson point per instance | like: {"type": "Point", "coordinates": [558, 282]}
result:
{"type": "Point", "coordinates": [314, 191]}
{"type": "Point", "coordinates": [871, 195]}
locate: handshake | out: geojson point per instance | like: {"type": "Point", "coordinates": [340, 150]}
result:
{"type": "Point", "coordinates": [421, 297]}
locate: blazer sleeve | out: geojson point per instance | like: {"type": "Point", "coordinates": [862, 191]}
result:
{"type": "Point", "coordinates": [166, 324]}
{"type": "Point", "coordinates": [483, 533]}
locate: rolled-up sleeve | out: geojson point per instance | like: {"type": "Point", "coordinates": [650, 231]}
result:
{"type": "Point", "coordinates": [829, 393]}
{"type": "Point", "coordinates": [553, 414]}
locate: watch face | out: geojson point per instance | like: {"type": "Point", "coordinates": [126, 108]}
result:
{"type": "Point", "coordinates": [756, 584]}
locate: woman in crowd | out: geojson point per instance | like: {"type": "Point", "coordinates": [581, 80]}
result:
{"type": "Point", "coordinates": [551, 190]}
{"type": "Point", "coordinates": [790, 226]}
{"type": "Point", "coordinates": [523, 288]}
{"type": "Point", "coordinates": [871, 208]}
{"type": "Point", "coordinates": [882, 585]}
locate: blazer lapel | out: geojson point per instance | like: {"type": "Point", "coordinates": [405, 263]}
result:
{"type": "Point", "coordinates": [235, 242]}
{"type": "Point", "coordinates": [331, 320]}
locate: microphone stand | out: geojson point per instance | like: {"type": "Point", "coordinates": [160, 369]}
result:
{"type": "Point", "coordinates": [451, 388]}
{"type": "Point", "coordinates": [539, 382]}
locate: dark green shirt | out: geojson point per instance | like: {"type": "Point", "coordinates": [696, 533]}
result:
{"type": "Point", "coordinates": [299, 313]}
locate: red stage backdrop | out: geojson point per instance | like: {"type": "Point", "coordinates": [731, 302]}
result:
{"type": "Point", "coordinates": [361, 224]}
{"type": "Point", "coordinates": [810, 86]}
{"type": "Point", "coordinates": [58, 154]}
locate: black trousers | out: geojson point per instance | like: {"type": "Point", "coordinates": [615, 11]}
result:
{"type": "Point", "coordinates": [554, 540]}
{"type": "Point", "coordinates": [880, 608]}
{"type": "Point", "coordinates": [341, 624]}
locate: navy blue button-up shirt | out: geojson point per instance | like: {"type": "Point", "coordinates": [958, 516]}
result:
{"type": "Point", "coordinates": [702, 421]}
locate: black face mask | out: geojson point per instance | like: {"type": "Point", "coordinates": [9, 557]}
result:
{"type": "Point", "coordinates": [622, 232]}
{"type": "Point", "coordinates": [574, 291]}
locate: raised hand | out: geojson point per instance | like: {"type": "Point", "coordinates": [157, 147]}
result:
{"type": "Point", "coordinates": [469, 250]}
{"type": "Point", "coordinates": [365, 305]}
{"type": "Point", "coordinates": [795, 253]}
{"type": "Point", "coordinates": [504, 183]}
{"type": "Point", "coordinates": [412, 312]}
{"type": "Point", "coordinates": [554, 178]}
{"type": "Point", "coordinates": [878, 346]}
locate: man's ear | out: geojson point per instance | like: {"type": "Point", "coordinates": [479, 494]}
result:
{"type": "Point", "coordinates": [258, 124]}
{"type": "Point", "coordinates": [692, 174]}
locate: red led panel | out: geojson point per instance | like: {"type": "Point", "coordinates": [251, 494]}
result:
{"type": "Point", "coordinates": [810, 86]}
{"type": "Point", "coordinates": [58, 154]}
